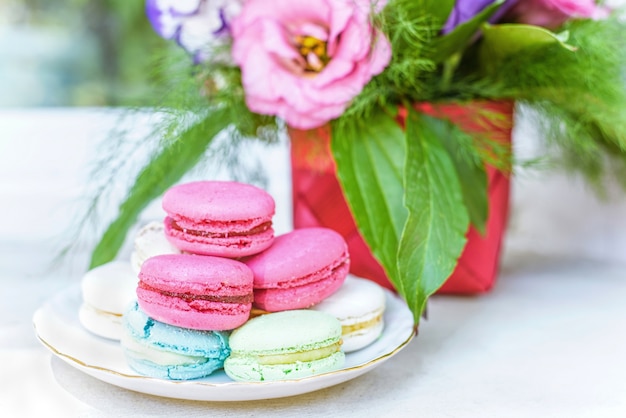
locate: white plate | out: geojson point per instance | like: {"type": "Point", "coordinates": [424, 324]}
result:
{"type": "Point", "coordinates": [57, 327]}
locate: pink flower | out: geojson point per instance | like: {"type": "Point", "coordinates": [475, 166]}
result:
{"type": "Point", "coordinates": [553, 13]}
{"type": "Point", "coordinates": [305, 60]}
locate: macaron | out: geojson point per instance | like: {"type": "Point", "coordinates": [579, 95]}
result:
{"type": "Point", "coordinates": [219, 218]}
{"type": "Point", "coordinates": [195, 291]}
{"type": "Point", "coordinates": [299, 270]}
{"type": "Point", "coordinates": [155, 349]}
{"type": "Point", "coordinates": [107, 290]}
{"type": "Point", "coordinates": [284, 346]}
{"type": "Point", "coordinates": [359, 306]}
{"type": "Point", "coordinates": [149, 241]}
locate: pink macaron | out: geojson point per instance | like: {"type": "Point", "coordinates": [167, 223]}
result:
{"type": "Point", "coordinates": [195, 291]}
{"type": "Point", "coordinates": [220, 218]}
{"type": "Point", "coordinates": [299, 270]}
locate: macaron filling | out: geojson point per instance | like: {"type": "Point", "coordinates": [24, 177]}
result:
{"type": "Point", "coordinates": [161, 304]}
{"type": "Point", "coordinates": [215, 231]}
{"type": "Point", "coordinates": [300, 356]}
{"type": "Point", "coordinates": [189, 297]}
{"type": "Point", "coordinates": [220, 238]}
{"type": "Point", "coordinates": [363, 325]}
{"type": "Point", "coordinates": [113, 315]}
{"type": "Point", "coordinates": [359, 305]}
{"type": "Point", "coordinates": [159, 357]}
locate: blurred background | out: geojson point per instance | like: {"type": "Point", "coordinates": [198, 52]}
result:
{"type": "Point", "coordinates": [79, 52]}
{"type": "Point", "coordinates": [74, 52]}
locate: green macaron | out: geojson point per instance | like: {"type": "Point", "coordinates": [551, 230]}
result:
{"type": "Point", "coordinates": [285, 345]}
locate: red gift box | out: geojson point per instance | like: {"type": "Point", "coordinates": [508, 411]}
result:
{"type": "Point", "coordinates": [319, 201]}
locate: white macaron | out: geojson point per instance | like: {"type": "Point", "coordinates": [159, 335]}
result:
{"type": "Point", "coordinates": [107, 291]}
{"type": "Point", "coordinates": [149, 242]}
{"type": "Point", "coordinates": [359, 305]}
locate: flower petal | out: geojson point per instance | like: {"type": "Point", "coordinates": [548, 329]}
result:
{"type": "Point", "coordinates": [274, 76]}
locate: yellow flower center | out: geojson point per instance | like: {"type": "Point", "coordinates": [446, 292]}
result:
{"type": "Point", "coordinates": [313, 51]}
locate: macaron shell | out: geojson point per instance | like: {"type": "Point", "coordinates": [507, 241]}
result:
{"type": "Point", "coordinates": [175, 372]}
{"type": "Point", "coordinates": [241, 369]}
{"type": "Point", "coordinates": [218, 200]}
{"type": "Point", "coordinates": [110, 287]}
{"type": "Point", "coordinates": [196, 274]}
{"type": "Point", "coordinates": [197, 292]}
{"type": "Point", "coordinates": [285, 332]}
{"type": "Point", "coordinates": [174, 339]}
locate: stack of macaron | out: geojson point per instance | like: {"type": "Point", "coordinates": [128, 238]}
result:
{"type": "Point", "coordinates": [192, 290]}
{"type": "Point", "coordinates": [217, 289]}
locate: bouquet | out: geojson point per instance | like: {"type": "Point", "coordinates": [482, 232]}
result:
{"type": "Point", "coordinates": [358, 68]}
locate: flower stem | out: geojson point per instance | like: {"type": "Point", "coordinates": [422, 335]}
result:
{"type": "Point", "coordinates": [449, 66]}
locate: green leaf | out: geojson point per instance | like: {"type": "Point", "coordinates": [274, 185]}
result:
{"type": "Point", "coordinates": [455, 41]}
{"type": "Point", "coordinates": [501, 41]}
{"type": "Point", "coordinates": [439, 9]}
{"type": "Point", "coordinates": [167, 167]}
{"type": "Point", "coordinates": [434, 235]}
{"type": "Point", "coordinates": [471, 174]}
{"type": "Point", "coordinates": [370, 158]}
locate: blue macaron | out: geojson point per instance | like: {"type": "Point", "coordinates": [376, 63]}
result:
{"type": "Point", "coordinates": [155, 349]}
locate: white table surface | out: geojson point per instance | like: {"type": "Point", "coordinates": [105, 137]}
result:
{"type": "Point", "coordinates": [549, 341]}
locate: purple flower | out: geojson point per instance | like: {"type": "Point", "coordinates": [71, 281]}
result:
{"type": "Point", "coordinates": [464, 10]}
{"type": "Point", "coordinates": [196, 25]}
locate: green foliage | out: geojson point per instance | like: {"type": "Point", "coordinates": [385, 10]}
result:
{"type": "Point", "coordinates": [579, 95]}
{"type": "Point", "coordinates": [500, 42]}
{"type": "Point", "coordinates": [455, 42]}
{"type": "Point", "coordinates": [410, 32]}
{"type": "Point", "coordinates": [438, 10]}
